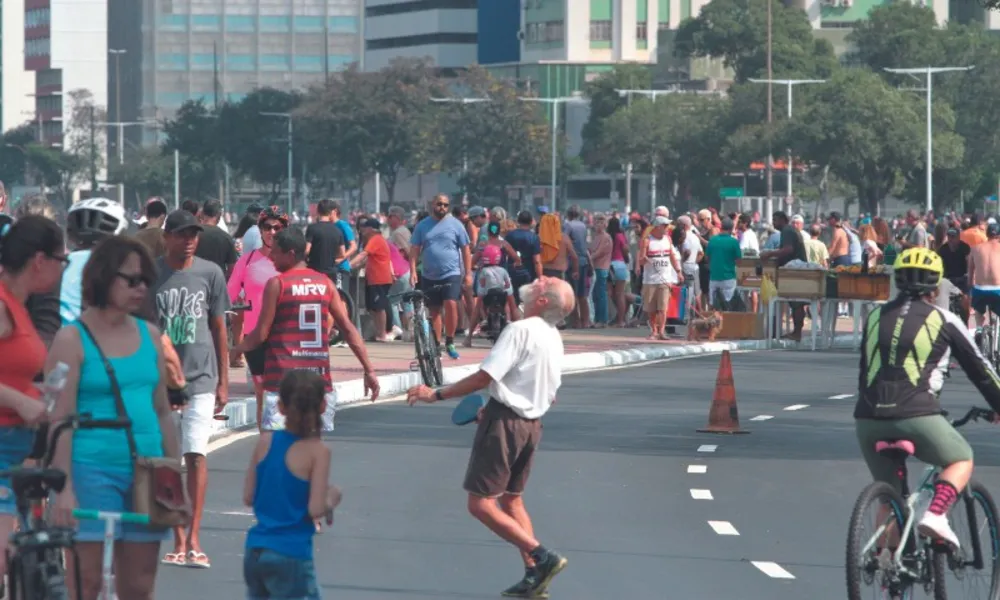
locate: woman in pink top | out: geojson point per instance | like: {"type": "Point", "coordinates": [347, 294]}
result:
{"type": "Point", "coordinates": [252, 272]}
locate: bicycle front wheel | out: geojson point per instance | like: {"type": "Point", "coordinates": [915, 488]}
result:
{"type": "Point", "coordinates": [975, 566]}
{"type": "Point", "coordinates": [876, 522]}
{"type": "Point", "coordinates": [423, 339]}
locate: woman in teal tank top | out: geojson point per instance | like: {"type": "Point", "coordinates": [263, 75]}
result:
{"type": "Point", "coordinates": [115, 284]}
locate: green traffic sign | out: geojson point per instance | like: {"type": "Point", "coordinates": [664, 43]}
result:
{"type": "Point", "coordinates": [731, 192]}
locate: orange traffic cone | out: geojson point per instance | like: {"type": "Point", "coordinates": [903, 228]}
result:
{"type": "Point", "coordinates": [723, 416]}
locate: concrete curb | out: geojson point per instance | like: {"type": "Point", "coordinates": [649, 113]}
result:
{"type": "Point", "coordinates": [243, 413]}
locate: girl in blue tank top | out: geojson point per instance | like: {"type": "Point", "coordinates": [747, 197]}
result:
{"type": "Point", "coordinates": [287, 486]}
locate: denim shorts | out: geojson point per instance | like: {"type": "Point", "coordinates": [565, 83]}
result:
{"type": "Point", "coordinates": [110, 489]}
{"type": "Point", "coordinates": [268, 574]}
{"type": "Point", "coordinates": [15, 446]}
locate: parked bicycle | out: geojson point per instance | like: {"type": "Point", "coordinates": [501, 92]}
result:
{"type": "Point", "coordinates": [895, 567]}
{"type": "Point", "coordinates": [425, 340]}
{"type": "Point", "coordinates": [36, 566]}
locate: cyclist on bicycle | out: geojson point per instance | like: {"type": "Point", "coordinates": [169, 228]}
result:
{"type": "Point", "coordinates": [984, 276]}
{"type": "Point", "coordinates": [88, 222]}
{"type": "Point", "coordinates": [906, 345]}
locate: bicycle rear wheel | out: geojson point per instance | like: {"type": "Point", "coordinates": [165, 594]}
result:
{"type": "Point", "coordinates": [867, 567]}
{"type": "Point", "coordinates": [337, 336]}
{"type": "Point", "coordinates": [976, 565]}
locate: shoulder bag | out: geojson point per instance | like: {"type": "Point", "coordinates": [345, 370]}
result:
{"type": "Point", "coordinates": [157, 486]}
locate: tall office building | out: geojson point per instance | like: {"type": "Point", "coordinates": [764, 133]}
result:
{"type": "Point", "coordinates": [444, 31]}
{"type": "Point", "coordinates": [66, 45]}
{"type": "Point", "coordinates": [219, 50]}
{"type": "Point", "coordinates": [17, 84]}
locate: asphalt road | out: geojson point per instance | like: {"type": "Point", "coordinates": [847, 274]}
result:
{"type": "Point", "coordinates": [611, 489]}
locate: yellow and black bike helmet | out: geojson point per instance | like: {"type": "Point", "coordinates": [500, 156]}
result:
{"type": "Point", "coordinates": [918, 271]}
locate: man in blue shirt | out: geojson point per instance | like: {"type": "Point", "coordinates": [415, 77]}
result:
{"type": "Point", "coordinates": [441, 243]}
{"type": "Point", "coordinates": [350, 243]}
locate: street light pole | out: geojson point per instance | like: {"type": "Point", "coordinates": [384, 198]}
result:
{"type": "Point", "coordinates": [117, 53]}
{"type": "Point", "coordinates": [291, 131]}
{"type": "Point", "coordinates": [769, 209]}
{"type": "Point", "coordinates": [465, 158]}
{"type": "Point", "coordinates": [928, 72]}
{"type": "Point", "coordinates": [555, 102]}
{"type": "Point", "coordinates": [790, 83]}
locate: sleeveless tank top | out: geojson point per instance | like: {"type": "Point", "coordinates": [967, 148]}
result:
{"type": "Point", "coordinates": [23, 355]}
{"type": "Point", "coordinates": [299, 338]}
{"type": "Point", "coordinates": [138, 375]}
{"type": "Point", "coordinates": [659, 268]}
{"type": "Point", "coordinates": [281, 504]}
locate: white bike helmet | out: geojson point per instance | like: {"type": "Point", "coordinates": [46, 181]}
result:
{"type": "Point", "coordinates": [93, 219]}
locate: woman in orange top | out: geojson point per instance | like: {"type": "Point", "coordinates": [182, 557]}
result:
{"type": "Point", "coordinates": [32, 256]}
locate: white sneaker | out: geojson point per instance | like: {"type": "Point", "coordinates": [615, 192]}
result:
{"type": "Point", "coordinates": [937, 527]}
{"type": "Point", "coordinates": [395, 334]}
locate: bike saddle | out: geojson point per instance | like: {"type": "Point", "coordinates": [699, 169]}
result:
{"type": "Point", "coordinates": [37, 481]}
{"type": "Point", "coordinates": [495, 297]}
{"type": "Point", "coordinates": [411, 295]}
{"type": "Point", "coordinates": [895, 446]}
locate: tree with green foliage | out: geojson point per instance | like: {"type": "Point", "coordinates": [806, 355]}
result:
{"type": "Point", "coordinates": [736, 31]}
{"type": "Point", "coordinates": [13, 159]}
{"type": "Point", "coordinates": [870, 134]}
{"type": "Point", "coordinates": [194, 133]}
{"type": "Point", "coordinates": [57, 169]}
{"type": "Point", "coordinates": [147, 172]}
{"type": "Point", "coordinates": [604, 101]}
{"type": "Point", "coordinates": [896, 35]}
{"type": "Point", "coordinates": [257, 144]}
{"type": "Point", "coordinates": [492, 144]}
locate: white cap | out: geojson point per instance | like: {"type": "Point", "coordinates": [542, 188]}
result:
{"type": "Point", "coordinates": [660, 221]}
{"type": "Point", "coordinates": [991, 221]}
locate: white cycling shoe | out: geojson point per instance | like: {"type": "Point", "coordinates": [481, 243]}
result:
{"type": "Point", "coordinates": [936, 527]}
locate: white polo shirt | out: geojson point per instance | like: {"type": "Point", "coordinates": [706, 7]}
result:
{"type": "Point", "coordinates": [526, 367]}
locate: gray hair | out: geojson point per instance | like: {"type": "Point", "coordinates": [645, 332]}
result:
{"type": "Point", "coordinates": [396, 211]}
{"type": "Point", "coordinates": [36, 204]}
{"type": "Point", "coordinates": [498, 213]}
{"type": "Point", "coordinates": [799, 219]}
{"type": "Point", "coordinates": [684, 220]}
{"type": "Point", "coordinates": [554, 311]}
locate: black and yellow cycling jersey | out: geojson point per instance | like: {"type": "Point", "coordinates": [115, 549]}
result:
{"type": "Point", "coordinates": [906, 346]}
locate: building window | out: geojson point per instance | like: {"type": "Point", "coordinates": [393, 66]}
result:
{"type": "Point", "coordinates": [426, 39]}
{"type": "Point", "coordinates": [271, 23]}
{"type": "Point", "coordinates": [172, 22]}
{"type": "Point", "coordinates": [600, 31]}
{"type": "Point", "coordinates": [235, 97]}
{"type": "Point", "coordinates": [641, 32]}
{"type": "Point", "coordinates": [545, 32]}
{"type": "Point", "coordinates": [205, 22]}
{"type": "Point", "coordinates": [171, 99]}
{"type": "Point", "coordinates": [343, 24]}
{"type": "Point", "coordinates": [172, 62]}
{"type": "Point", "coordinates": [308, 23]}
{"type": "Point", "coordinates": [308, 64]}
{"type": "Point", "coordinates": [274, 62]}
{"type": "Point", "coordinates": [239, 62]}
{"type": "Point", "coordinates": [340, 61]}
{"type": "Point", "coordinates": [202, 62]}
{"type": "Point", "coordinates": [208, 98]}
{"type": "Point", "coordinates": [239, 23]}
{"type": "Point", "coordinates": [37, 47]}
{"type": "Point", "coordinates": [38, 17]}
{"type": "Point", "coordinates": [420, 5]}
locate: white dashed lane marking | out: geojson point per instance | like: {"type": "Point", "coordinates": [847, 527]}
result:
{"type": "Point", "coordinates": [772, 570]}
{"type": "Point", "coordinates": [697, 468]}
{"type": "Point", "coordinates": [723, 527]}
{"type": "Point", "coordinates": [702, 494]}
{"type": "Point", "coordinates": [762, 418]}
{"type": "Point", "coordinates": [841, 396]}
{"type": "Point", "coordinates": [707, 448]}
{"type": "Point", "coordinates": [797, 407]}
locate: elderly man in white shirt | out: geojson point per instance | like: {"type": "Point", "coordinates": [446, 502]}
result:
{"type": "Point", "coordinates": [523, 373]}
{"type": "Point", "coordinates": [799, 223]}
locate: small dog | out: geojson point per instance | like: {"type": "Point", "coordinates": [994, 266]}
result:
{"type": "Point", "coordinates": [705, 325]}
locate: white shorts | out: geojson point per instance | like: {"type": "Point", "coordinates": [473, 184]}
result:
{"type": "Point", "coordinates": [728, 287]}
{"type": "Point", "coordinates": [197, 424]}
{"type": "Point", "coordinates": [272, 419]}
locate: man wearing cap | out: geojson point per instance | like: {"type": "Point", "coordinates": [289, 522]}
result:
{"type": "Point", "coordinates": [190, 301]}
{"type": "Point", "coordinates": [378, 273]}
{"type": "Point", "coordinates": [955, 258]}
{"type": "Point", "coordinates": [661, 268]}
{"type": "Point", "coordinates": [984, 275]}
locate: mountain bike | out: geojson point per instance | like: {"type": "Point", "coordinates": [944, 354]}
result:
{"type": "Point", "coordinates": [895, 568]}
{"type": "Point", "coordinates": [425, 340]}
{"type": "Point", "coordinates": [36, 565]}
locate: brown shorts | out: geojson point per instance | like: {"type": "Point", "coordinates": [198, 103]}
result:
{"type": "Point", "coordinates": [655, 297]}
{"type": "Point", "coordinates": [502, 452]}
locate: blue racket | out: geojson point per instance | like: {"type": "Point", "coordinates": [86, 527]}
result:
{"type": "Point", "coordinates": [468, 409]}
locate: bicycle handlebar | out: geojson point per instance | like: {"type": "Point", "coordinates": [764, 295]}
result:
{"type": "Point", "coordinates": [974, 414]}
{"type": "Point", "coordinates": [235, 308]}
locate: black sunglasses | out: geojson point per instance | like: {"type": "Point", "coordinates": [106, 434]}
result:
{"type": "Point", "coordinates": [134, 281]}
{"type": "Point", "coordinates": [62, 259]}
{"type": "Point", "coordinates": [271, 227]}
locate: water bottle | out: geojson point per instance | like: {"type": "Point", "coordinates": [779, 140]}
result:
{"type": "Point", "coordinates": [55, 381]}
